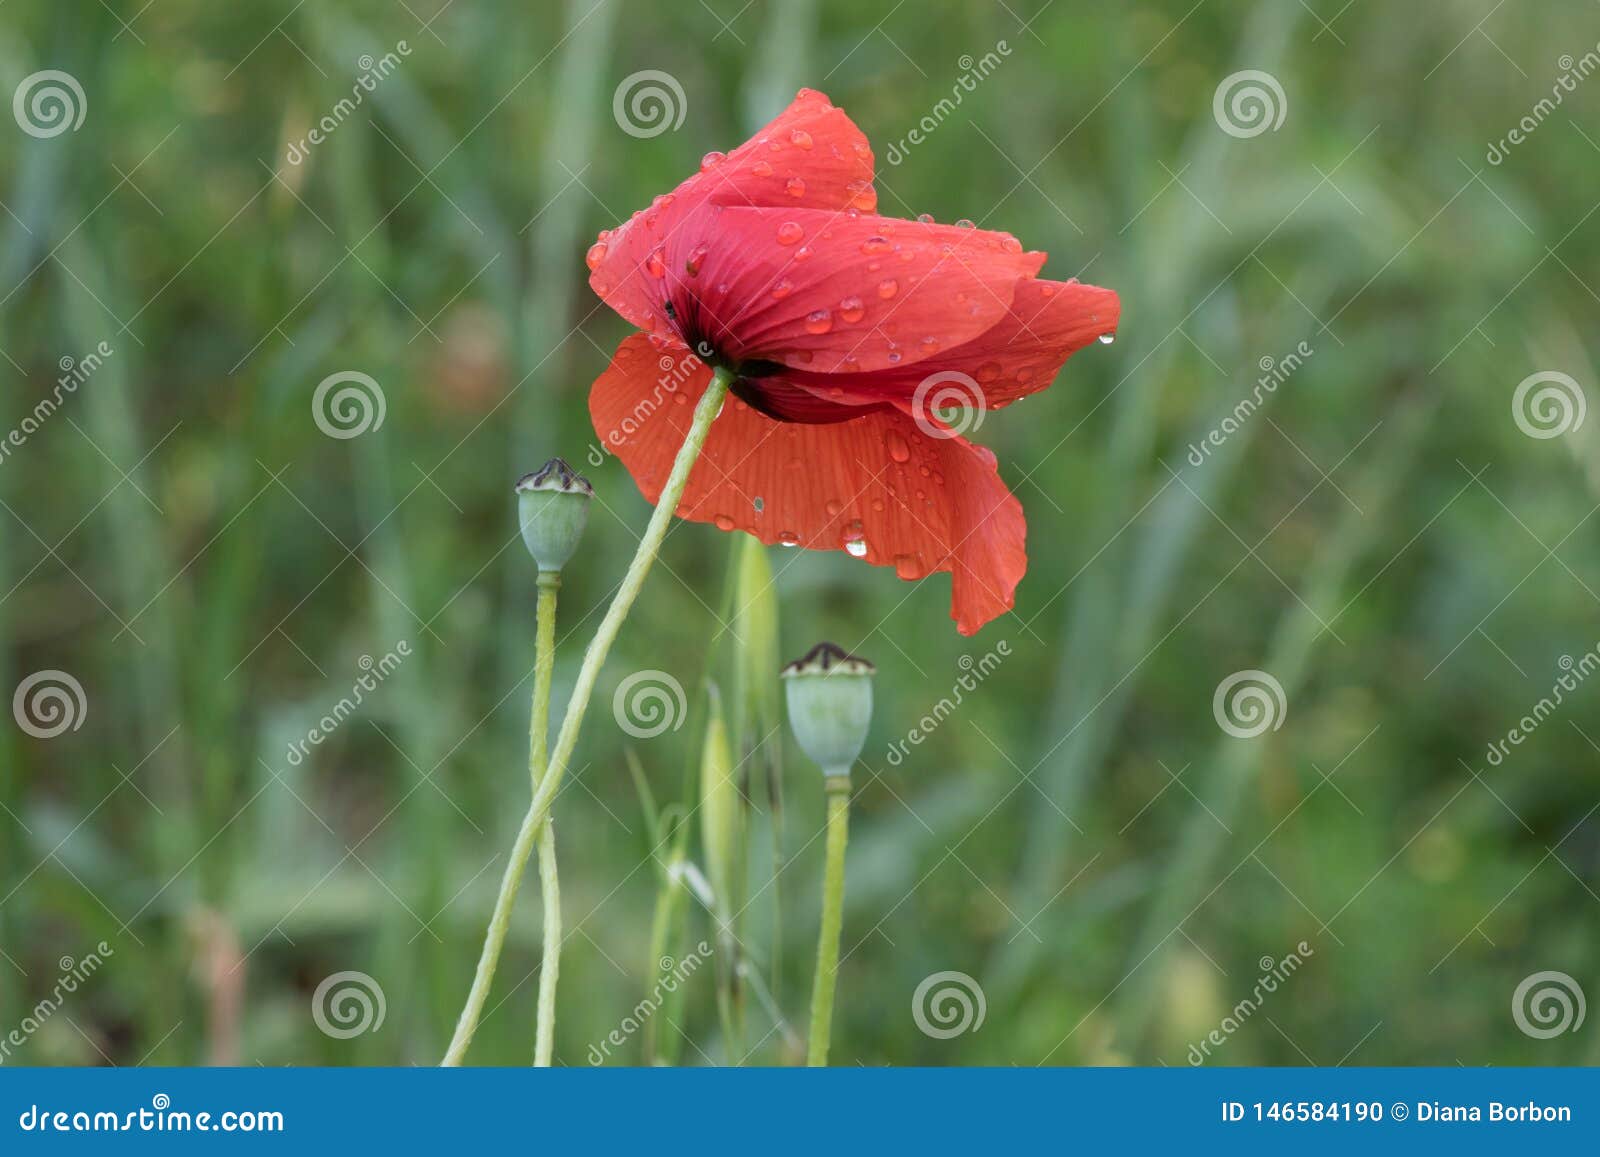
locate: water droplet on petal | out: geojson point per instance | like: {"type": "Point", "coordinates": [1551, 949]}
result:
{"type": "Point", "coordinates": [761, 503]}
{"type": "Point", "coordinates": [908, 567]}
{"type": "Point", "coordinates": [888, 287]}
{"type": "Point", "coordinates": [761, 169]}
{"type": "Point", "coordinates": [1046, 289]}
{"type": "Point", "coordinates": [723, 522]}
{"type": "Point", "coordinates": [930, 345]}
{"type": "Point", "coordinates": [898, 450]}
{"type": "Point", "coordinates": [692, 263]}
{"type": "Point", "coordinates": [925, 218]}
{"type": "Point", "coordinates": [1010, 245]}
{"type": "Point", "coordinates": [965, 224]}
{"type": "Point", "coordinates": [833, 507]}
{"type": "Point", "coordinates": [789, 232]}
{"type": "Point", "coordinates": [656, 265]}
{"type": "Point", "coordinates": [851, 309]}
{"type": "Point", "coordinates": [875, 244]}
{"type": "Point", "coordinates": [987, 372]}
{"type": "Point", "coordinates": [1107, 338]}
{"type": "Point", "coordinates": [782, 290]}
{"type": "Point", "coordinates": [819, 321]}
{"type": "Point", "coordinates": [854, 538]}
{"type": "Point", "coordinates": [795, 187]}
{"type": "Point", "coordinates": [803, 253]}
{"type": "Point", "coordinates": [800, 139]}
{"type": "Point", "coordinates": [862, 195]}
{"type": "Point", "coordinates": [596, 254]}
{"type": "Point", "coordinates": [711, 160]}
{"type": "Point", "coordinates": [788, 538]}
{"type": "Point", "coordinates": [894, 356]}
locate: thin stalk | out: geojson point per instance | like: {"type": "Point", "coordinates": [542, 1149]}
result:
{"type": "Point", "coordinates": [593, 659]}
{"type": "Point", "coordinates": [549, 883]}
{"type": "Point", "coordinates": [832, 919]}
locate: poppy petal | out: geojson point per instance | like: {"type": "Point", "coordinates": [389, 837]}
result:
{"type": "Point", "coordinates": [811, 155]}
{"type": "Point", "coordinates": [1047, 323]}
{"type": "Point", "coordinates": [830, 292]}
{"type": "Point", "coordinates": [875, 486]}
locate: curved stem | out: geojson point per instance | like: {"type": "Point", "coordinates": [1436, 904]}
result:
{"type": "Point", "coordinates": [567, 739]}
{"type": "Point", "coordinates": [822, 987]}
{"type": "Point", "coordinates": [549, 883]}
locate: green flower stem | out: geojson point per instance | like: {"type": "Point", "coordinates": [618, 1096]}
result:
{"type": "Point", "coordinates": [550, 886]}
{"type": "Point", "coordinates": [567, 739]}
{"type": "Point", "coordinates": [832, 918]}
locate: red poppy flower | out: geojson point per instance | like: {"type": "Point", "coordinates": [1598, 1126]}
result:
{"type": "Point", "coordinates": [848, 333]}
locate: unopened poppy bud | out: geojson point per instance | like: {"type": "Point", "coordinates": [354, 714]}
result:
{"type": "Point", "coordinates": [553, 508]}
{"type": "Point", "coordinates": [830, 706]}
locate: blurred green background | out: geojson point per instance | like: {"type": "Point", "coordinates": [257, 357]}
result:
{"type": "Point", "coordinates": [1079, 837]}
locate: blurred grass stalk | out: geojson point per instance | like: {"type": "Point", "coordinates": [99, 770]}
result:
{"type": "Point", "coordinates": [722, 834]}
{"type": "Point", "coordinates": [1119, 599]}
{"type": "Point", "coordinates": [755, 629]}
{"type": "Point", "coordinates": [1236, 763]}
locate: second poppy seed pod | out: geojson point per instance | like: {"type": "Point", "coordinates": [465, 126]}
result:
{"type": "Point", "coordinates": [553, 509]}
{"type": "Point", "coordinates": [830, 706]}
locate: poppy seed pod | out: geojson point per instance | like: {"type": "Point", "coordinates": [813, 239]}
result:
{"type": "Point", "coordinates": [830, 706]}
{"type": "Point", "coordinates": [553, 508]}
